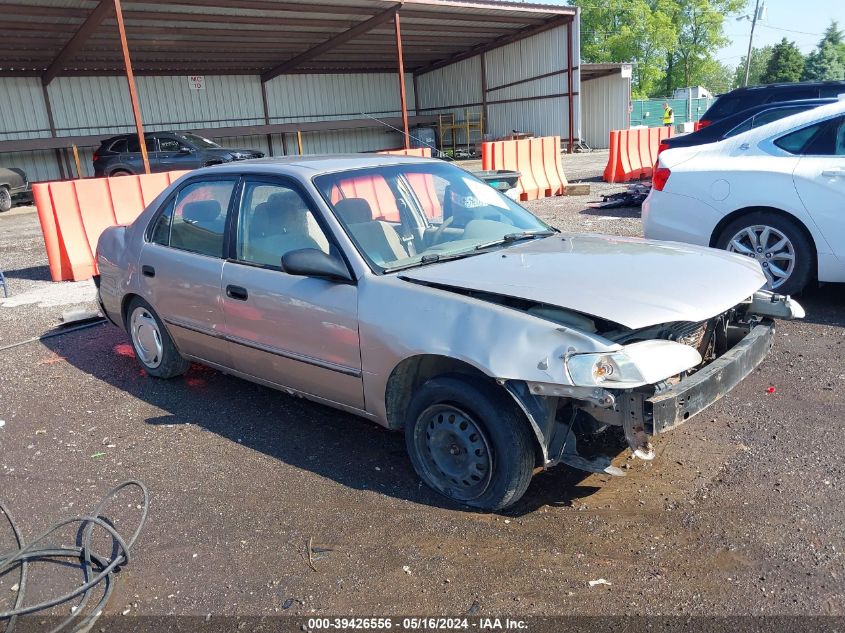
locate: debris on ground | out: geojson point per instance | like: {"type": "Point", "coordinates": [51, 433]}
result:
{"type": "Point", "coordinates": [633, 196]}
{"type": "Point", "coordinates": [600, 581]}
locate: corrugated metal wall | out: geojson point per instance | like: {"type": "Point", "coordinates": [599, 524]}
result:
{"type": "Point", "coordinates": [460, 85]}
{"type": "Point", "coordinates": [326, 97]}
{"type": "Point", "coordinates": [101, 105]}
{"type": "Point", "coordinates": [605, 101]}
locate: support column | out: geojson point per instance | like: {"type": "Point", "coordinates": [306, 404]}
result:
{"type": "Point", "coordinates": [483, 94]}
{"type": "Point", "coordinates": [402, 96]}
{"type": "Point", "coordinates": [266, 117]}
{"type": "Point", "coordinates": [571, 97]}
{"type": "Point", "coordinates": [133, 91]}
{"type": "Point", "coordinates": [52, 125]}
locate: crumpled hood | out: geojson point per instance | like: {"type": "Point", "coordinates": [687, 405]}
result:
{"type": "Point", "coordinates": [630, 281]}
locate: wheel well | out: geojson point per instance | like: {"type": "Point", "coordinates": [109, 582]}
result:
{"type": "Point", "coordinates": [745, 211]}
{"type": "Point", "coordinates": [412, 372]}
{"type": "Point", "coordinates": [124, 307]}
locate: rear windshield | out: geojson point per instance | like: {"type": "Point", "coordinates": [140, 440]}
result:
{"type": "Point", "coordinates": [724, 106]}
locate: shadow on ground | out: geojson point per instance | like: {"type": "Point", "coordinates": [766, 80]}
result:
{"type": "Point", "coordinates": [306, 435]}
{"type": "Point", "coordinates": [32, 273]}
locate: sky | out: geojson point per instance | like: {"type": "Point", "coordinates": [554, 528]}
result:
{"type": "Point", "coordinates": [802, 22]}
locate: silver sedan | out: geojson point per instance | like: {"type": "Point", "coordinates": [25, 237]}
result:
{"type": "Point", "coordinates": [410, 293]}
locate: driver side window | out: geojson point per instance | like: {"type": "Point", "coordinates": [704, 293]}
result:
{"type": "Point", "coordinates": [274, 220]}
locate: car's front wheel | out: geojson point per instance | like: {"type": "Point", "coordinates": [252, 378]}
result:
{"type": "Point", "coordinates": [781, 247]}
{"type": "Point", "coordinates": [153, 346]}
{"type": "Point", "coordinates": [468, 441]}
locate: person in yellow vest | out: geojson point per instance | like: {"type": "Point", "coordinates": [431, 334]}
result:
{"type": "Point", "coordinates": [668, 115]}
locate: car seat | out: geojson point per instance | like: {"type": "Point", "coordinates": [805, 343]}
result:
{"type": "Point", "coordinates": [379, 239]}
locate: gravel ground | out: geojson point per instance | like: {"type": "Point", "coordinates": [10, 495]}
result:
{"type": "Point", "coordinates": [740, 513]}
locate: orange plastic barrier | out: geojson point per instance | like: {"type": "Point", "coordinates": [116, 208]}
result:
{"type": "Point", "coordinates": [74, 213]}
{"type": "Point", "coordinates": [423, 152]}
{"type": "Point", "coordinates": [536, 159]}
{"type": "Point", "coordinates": [633, 153]}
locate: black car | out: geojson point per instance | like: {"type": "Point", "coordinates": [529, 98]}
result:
{"type": "Point", "coordinates": [167, 151]}
{"type": "Point", "coordinates": [742, 121]}
{"type": "Point", "coordinates": [744, 98]}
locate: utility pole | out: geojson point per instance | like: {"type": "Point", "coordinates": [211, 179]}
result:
{"type": "Point", "coordinates": [751, 40]}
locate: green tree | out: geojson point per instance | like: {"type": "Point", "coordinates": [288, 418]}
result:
{"type": "Point", "coordinates": [823, 64]}
{"type": "Point", "coordinates": [699, 26]}
{"type": "Point", "coordinates": [716, 77]}
{"type": "Point", "coordinates": [759, 61]}
{"type": "Point", "coordinates": [827, 61]}
{"type": "Point", "coordinates": [786, 63]}
{"type": "Point", "coordinates": [638, 31]}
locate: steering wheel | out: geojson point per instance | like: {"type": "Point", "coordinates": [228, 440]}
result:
{"type": "Point", "coordinates": [438, 234]}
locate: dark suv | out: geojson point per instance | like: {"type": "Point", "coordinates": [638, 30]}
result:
{"type": "Point", "coordinates": [744, 98]}
{"type": "Point", "coordinates": [167, 151]}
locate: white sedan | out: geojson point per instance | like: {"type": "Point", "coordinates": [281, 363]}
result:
{"type": "Point", "coordinates": [775, 193]}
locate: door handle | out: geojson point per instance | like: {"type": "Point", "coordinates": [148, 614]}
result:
{"type": "Point", "coordinates": [836, 172]}
{"type": "Point", "coordinates": [237, 293]}
{"type": "Point", "coordinates": [148, 271]}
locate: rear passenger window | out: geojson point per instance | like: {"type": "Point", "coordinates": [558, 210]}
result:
{"type": "Point", "coordinates": [199, 217]}
{"type": "Point", "coordinates": [118, 146]}
{"type": "Point", "coordinates": [160, 231]}
{"type": "Point", "coordinates": [773, 115]}
{"type": "Point", "coordinates": [794, 142]}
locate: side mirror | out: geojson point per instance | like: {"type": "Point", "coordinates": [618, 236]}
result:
{"type": "Point", "coordinates": [185, 150]}
{"type": "Point", "coordinates": [310, 262]}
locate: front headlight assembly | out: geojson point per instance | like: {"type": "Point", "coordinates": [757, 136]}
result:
{"type": "Point", "coordinates": [635, 365]}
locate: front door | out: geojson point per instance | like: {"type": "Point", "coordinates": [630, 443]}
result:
{"type": "Point", "coordinates": [182, 267]}
{"type": "Point", "coordinates": [174, 155]}
{"type": "Point", "coordinates": [292, 331]}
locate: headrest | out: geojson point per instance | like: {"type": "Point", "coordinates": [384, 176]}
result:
{"type": "Point", "coordinates": [354, 210]}
{"type": "Point", "coordinates": [201, 211]}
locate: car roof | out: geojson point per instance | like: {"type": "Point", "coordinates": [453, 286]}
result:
{"type": "Point", "coordinates": [311, 165]}
{"type": "Point", "coordinates": [783, 86]}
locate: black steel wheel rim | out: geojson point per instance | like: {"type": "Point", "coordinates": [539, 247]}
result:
{"type": "Point", "coordinates": [454, 452]}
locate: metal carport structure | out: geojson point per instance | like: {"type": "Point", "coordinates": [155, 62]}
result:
{"type": "Point", "coordinates": [442, 55]}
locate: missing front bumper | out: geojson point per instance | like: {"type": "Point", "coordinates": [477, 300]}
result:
{"type": "Point", "coordinates": [677, 404]}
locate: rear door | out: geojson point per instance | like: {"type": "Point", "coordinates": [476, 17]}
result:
{"type": "Point", "coordinates": [291, 331]}
{"type": "Point", "coordinates": [182, 266]}
{"type": "Point", "coordinates": [820, 182]}
{"type": "Point", "coordinates": [132, 156]}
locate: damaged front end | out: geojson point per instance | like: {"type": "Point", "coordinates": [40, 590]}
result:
{"type": "Point", "coordinates": [662, 376]}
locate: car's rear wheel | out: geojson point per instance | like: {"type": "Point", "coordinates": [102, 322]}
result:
{"type": "Point", "coordinates": [779, 244]}
{"type": "Point", "coordinates": [5, 199]}
{"type": "Point", "coordinates": [153, 346]}
{"type": "Point", "coordinates": [120, 172]}
{"type": "Point", "coordinates": [469, 442]}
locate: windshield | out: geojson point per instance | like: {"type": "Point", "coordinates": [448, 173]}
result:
{"type": "Point", "coordinates": [401, 216]}
{"type": "Point", "coordinates": [199, 141]}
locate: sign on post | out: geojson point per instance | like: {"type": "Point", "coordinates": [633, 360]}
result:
{"type": "Point", "coordinates": [196, 82]}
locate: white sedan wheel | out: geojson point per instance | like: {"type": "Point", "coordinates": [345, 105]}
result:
{"type": "Point", "coordinates": [770, 247]}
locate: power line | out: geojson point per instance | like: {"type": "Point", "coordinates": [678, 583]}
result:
{"type": "Point", "coordinates": [777, 28]}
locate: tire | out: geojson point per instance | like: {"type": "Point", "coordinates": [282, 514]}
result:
{"type": "Point", "coordinates": [120, 172]}
{"type": "Point", "coordinates": [5, 199]}
{"type": "Point", "coordinates": [743, 236]}
{"type": "Point", "coordinates": [469, 442]}
{"type": "Point", "coordinates": [153, 346]}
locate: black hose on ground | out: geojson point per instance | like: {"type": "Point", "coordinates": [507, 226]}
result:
{"type": "Point", "coordinates": [95, 568]}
